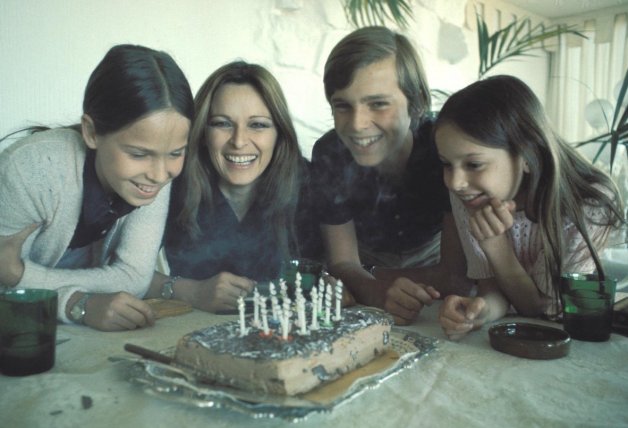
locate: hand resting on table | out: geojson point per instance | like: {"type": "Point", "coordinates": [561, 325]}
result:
{"type": "Point", "coordinates": [405, 299]}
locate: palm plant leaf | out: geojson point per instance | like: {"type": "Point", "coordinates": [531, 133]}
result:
{"type": "Point", "coordinates": [441, 93]}
{"type": "Point", "coordinates": [618, 133]}
{"type": "Point", "coordinates": [375, 12]}
{"type": "Point", "coordinates": [518, 38]}
{"type": "Point", "coordinates": [619, 129]}
{"type": "Point", "coordinates": [614, 139]}
{"type": "Point", "coordinates": [620, 102]}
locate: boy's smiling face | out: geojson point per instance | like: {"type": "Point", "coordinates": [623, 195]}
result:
{"type": "Point", "coordinates": [371, 116]}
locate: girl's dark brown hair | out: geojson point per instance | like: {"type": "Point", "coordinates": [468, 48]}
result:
{"type": "Point", "coordinates": [503, 112]}
{"type": "Point", "coordinates": [129, 83]}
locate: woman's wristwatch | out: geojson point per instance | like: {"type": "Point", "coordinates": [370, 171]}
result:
{"type": "Point", "coordinates": [167, 288]}
{"type": "Point", "coordinates": [77, 312]}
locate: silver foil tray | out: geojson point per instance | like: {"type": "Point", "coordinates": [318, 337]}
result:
{"type": "Point", "coordinates": [183, 385]}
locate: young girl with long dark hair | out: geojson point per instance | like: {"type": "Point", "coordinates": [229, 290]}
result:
{"type": "Point", "coordinates": [83, 208]}
{"type": "Point", "coordinates": [527, 206]}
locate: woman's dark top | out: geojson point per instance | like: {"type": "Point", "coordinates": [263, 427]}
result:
{"type": "Point", "coordinates": [247, 248]}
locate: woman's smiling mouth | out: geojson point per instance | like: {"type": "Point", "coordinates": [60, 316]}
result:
{"type": "Point", "coordinates": [241, 160]}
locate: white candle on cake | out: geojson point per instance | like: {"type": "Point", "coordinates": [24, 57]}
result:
{"type": "Point", "coordinates": [265, 318]}
{"type": "Point", "coordinates": [298, 294]}
{"type": "Point", "coordinates": [321, 294]}
{"type": "Point", "coordinates": [314, 324]}
{"type": "Point", "coordinates": [301, 313]}
{"type": "Point", "coordinates": [273, 301]}
{"type": "Point", "coordinates": [256, 297]}
{"type": "Point", "coordinates": [328, 304]}
{"type": "Point", "coordinates": [338, 317]}
{"type": "Point", "coordinates": [243, 329]}
{"type": "Point", "coordinates": [297, 304]}
{"type": "Point", "coordinates": [283, 288]}
{"type": "Point", "coordinates": [314, 298]}
{"type": "Point", "coordinates": [285, 319]}
{"type": "Point", "coordinates": [297, 283]}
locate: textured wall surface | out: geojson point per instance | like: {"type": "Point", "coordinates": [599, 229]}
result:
{"type": "Point", "coordinates": [48, 49]}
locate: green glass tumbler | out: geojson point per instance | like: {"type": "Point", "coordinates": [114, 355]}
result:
{"type": "Point", "coordinates": [28, 330]}
{"type": "Point", "coordinates": [587, 306]}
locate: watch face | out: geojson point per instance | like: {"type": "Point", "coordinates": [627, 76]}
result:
{"type": "Point", "coordinates": [78, 310]}
{"type": "Point", "coordinates": [166, 291]}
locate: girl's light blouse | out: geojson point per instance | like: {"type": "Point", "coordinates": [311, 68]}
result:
{"type": "Point", "coordinates": [527, 245]}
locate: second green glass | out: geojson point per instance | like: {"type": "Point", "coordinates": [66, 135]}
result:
{"type": "Point", "coordinates": [587, 306]}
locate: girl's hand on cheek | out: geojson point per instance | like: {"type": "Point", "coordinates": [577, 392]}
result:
{"type": "Point", "coordinates": [492, 221]}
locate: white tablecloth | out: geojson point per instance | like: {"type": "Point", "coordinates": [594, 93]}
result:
{"type": "Point", "coordinates": [465, 384]}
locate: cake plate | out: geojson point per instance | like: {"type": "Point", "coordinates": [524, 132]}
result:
{"type": "Point", "coordinates": [182, 385]}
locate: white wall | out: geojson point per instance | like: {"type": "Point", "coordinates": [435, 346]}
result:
{"type": "Point", "coordinates": [49, 48]}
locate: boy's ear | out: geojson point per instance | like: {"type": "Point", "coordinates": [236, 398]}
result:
{"type": "Point", "coordinates": [526, 167]}
{"type": "Point", "coordinates": [89, 131]}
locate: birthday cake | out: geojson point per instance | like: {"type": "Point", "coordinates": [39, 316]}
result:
{"type": "Point", "coordinates": [285, 359]}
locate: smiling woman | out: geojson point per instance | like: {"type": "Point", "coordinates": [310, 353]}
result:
{"type": "Point", "coordinates": [242, 204]}
{"type": "Point", "coordinates": [88, 220]}
{"type": "Point", "coordinates": [241, 139]}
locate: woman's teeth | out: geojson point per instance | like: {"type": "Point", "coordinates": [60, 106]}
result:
{"type": "Point", "coordinates": [241, 159]}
